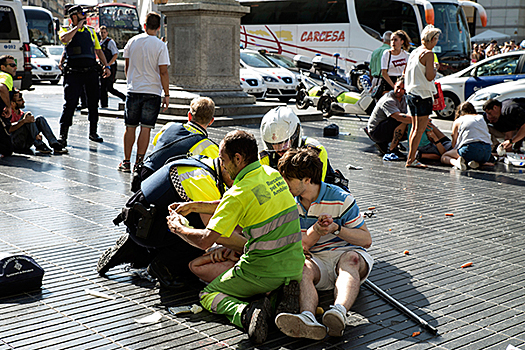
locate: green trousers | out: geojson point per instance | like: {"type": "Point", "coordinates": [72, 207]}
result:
{"type": "Point", "coordinates": [222, 295]}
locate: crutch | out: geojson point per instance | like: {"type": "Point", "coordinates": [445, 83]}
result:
{"type": "Point", "coordinates": [400, 307]}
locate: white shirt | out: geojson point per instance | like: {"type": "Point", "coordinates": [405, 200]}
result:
{"type": "Point", "coordinates": [416, 82]}
{"type": "Point", "coordinates": [397, 63]}
{"type": "Point", "coordinates": [146, 53]}
{"type": "Point", "coordinates": [112, 46]}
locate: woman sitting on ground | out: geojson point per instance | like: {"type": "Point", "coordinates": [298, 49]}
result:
{"type": "Point", "coordinates": [470, 139]}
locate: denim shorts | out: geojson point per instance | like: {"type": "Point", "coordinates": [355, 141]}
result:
{"type": "Point", "coordinates": [142, 109]}
{"type": "Point", "coordinates": [419, 107]}
{"type": "Point", "coordinates": [477, 151]}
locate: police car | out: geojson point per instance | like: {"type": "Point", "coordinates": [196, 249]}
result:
{"type": "Point", "coordinates": [497, 69]}
{"type": "Point", "coordinates": [252, 83]}
{"type": "Point", "coordinates": [280, 82]}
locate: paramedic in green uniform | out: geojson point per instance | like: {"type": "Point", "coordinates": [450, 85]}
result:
{"type": "Point", "coordinates": [261, 204]}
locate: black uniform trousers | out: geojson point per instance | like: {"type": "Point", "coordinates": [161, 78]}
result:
{"type": "Point", "coordinates": [106, 86]}
{"type": "Point", "coordinates": [74, 83]}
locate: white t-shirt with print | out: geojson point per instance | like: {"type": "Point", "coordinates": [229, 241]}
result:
{"type": "Point", "coordinates": [146, 53]}
{"type": "Point", "coordinates": [397, 63]}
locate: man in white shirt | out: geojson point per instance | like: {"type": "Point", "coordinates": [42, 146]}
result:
{"type": "Point", "coordinates": [147, 62]}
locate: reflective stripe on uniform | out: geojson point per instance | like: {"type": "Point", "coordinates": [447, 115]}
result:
{"type": "Point", "coordinates": [193, 174]}
{"type": "Point", "coordinates": [201, 146]}
{"type": "Point", "coordinates": [260, 231]}
{"type": "Point", "coordinates": [210, 301]}
{"type": "Point", "coordinates": [275, 244]}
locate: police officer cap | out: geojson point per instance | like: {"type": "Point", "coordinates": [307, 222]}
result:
{"type": "Point", "coordinates": [74, 9]}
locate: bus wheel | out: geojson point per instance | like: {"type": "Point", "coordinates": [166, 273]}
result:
{"type": "Point", "coordinates": [325, 105]}
{"type": "Point", "coordinates": [300, 99]}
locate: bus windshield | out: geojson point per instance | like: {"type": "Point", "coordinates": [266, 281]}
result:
{"type": "Point", "coordinates": [453, 47]}
{"type": "Point", "coordinates": [40, 26]}
{"type": "Point", "coordinates": [122, 22]}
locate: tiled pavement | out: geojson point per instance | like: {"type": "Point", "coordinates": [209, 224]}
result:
{"type": "Point", "coordinates": [59, 210]}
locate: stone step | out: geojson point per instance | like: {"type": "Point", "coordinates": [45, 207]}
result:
{"type": "Point", "coordinates": [222, 110]}
{"type": "Point", "coordinates": [232, 120]}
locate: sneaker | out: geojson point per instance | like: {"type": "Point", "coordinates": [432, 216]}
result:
{"type": "Point", "coordinates": [255, 319]}
{"type": "Point", "coordinates": [399, 154]}
{"type": "Point", "coordinates": [43, 149]}
{"type": "Point", "coordinates": [58, 149]}
{"type": "Point", "coordinates": [124, 251]}
{"type": "Point", "coordinates": [473, 164]}
{"type": "Point", "coordinates": [125, 166]}
{"type": "Point", "coordinates": [300, 326]}
{"type": "Point", "coordinates": [459, 163]}
{"type": "Point", "coordinates": [94, 137]}
{"type": "Point", "coordinates": [335, 321]}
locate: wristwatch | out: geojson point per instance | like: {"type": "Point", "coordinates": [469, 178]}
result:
{"type": "Point", "coordinates": [338, 231]}
{"type": "Point", "coordinates": [108, 67]}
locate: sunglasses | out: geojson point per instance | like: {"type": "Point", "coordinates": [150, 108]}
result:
{"type": "Point", "coordinates": [11, 65]}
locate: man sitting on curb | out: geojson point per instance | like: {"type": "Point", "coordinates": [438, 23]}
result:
{"type": "Point", "coordinates": [25, 129]}
{"type": "Point", "coordinates": [335, 233]}
{"type": "Point", "coordinates": [389, 120]}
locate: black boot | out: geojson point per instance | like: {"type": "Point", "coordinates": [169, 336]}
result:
{"type": "Point", "coordinates": [255, 320]}
{"type": "Point", "coordinates": [93, 136]}
{"type": "Point", "coordinates": [64, 129]}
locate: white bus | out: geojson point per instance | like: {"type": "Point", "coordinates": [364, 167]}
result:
{"type": "Point", "coordinates": [41, 26]}
{"type": "Point", "coordinates": [353, 28]}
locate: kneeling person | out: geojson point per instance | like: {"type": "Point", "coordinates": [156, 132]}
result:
{"type": "Point", "coordinates": [334, 232]}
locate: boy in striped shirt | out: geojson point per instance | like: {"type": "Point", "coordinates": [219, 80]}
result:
{"type": "Point", "coordinates": [335, 235]}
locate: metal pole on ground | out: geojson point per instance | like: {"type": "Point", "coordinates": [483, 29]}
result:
{"type": "Point", "coordinates": [400, 307]}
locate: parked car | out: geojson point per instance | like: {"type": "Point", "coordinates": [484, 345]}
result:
{"type": "Point", "coordinates": [252, 83]}
{"type": "Point", "coordinates": [497, 69]}
{"type": "Point", "coordinates": [54, 51]}
{"type": "Point", "coordinates": [500, 92]}
{"type": "Point", "coordinates": [280, 82]}
{"type": "Point", "coordinates": [43, 67]}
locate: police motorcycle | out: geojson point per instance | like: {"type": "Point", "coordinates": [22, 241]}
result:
{"type": "Point", "coordinates": [339, 97]}
{"type": "Point", "coordinates": [311, 86]}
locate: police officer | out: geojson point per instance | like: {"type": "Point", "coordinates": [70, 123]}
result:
{"type": "Point", "coordinates": [109, 47]}
{"type": "Point", "coordinates": [82, 70]}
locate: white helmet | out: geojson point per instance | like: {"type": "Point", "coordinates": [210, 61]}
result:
{"type": "Point", "coordinates": [281, 129]}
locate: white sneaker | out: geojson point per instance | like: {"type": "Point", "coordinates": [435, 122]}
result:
{"type": "Point", "coordinates": [473, 164]}
{"type": "Point", "coordinates": [300, 326]}
{"type": "Point", "coordinates": [335, 321]}
{"type": "Point", "coordinates": [459, 163]}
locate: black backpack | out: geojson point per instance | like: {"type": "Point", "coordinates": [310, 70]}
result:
{"type": "Point", "coordinates": [19, 273]}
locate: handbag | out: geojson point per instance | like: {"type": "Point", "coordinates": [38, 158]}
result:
{"type": "Point", "coordinates": [378, 91]}
{"type": "Point", "coordinates": [439, 99]}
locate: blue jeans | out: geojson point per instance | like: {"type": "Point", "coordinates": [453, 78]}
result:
{"type": "Point", "coordinates": [419, 106]}
{"type": "Point", "coordinates": [24, 137]}
{"type": "Point", "coordinates": [142, 109]}
{"type": "Point", "coordinates": [477, 151]}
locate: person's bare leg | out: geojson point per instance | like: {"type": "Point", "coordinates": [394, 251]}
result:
{"type": "Point", "coordinates": [448, 156]}
{"type": "Point", "coordinates": [419, 124]}
{"type": "Point", "coordinates": [351, 267]}
{"type": "Point", "coordinates": [129, 140]}
{"type": "Point", "coordinates": [207, 270]}
{"type": "Point", "coordinates": [143, 141]}
{"type": "Point", "coordinates": [304, 325]}
{"type": "Point", "coordinates": [398, 135]}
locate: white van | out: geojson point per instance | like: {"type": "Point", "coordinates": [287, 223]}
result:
{"type": "Point", "coordinates": [14, 40]}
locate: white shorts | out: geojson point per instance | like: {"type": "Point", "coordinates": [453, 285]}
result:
{"type": "Point", "coordinates": [327, 263]}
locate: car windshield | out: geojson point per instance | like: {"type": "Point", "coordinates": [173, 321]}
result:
{"type": "Point", "coordinates": [256, 60]}
{"type": "Point", "coordinates": [37, 53]}
{"type": "Point", "coordinates": [282, 61]}
{"type": "Point", "coordinates": [56, 51]}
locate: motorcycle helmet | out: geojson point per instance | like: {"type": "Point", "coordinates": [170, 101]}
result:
{"type": "Point", "coordinates": [281, 129]}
